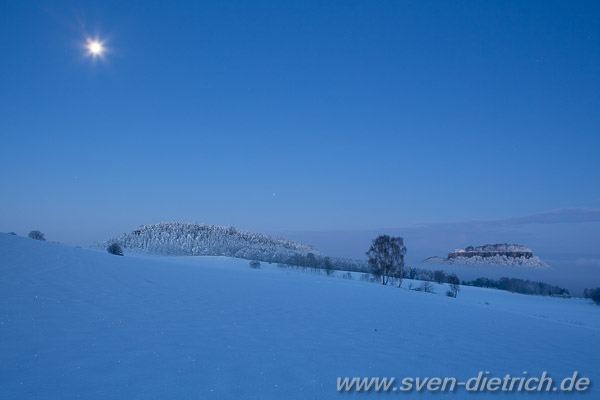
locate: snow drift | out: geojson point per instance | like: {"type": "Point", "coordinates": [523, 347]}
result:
{"type": "Point", "coordinates": [77, 323]}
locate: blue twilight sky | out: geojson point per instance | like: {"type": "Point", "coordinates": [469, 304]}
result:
{"type": "Point", "coordinates": [337, 116]}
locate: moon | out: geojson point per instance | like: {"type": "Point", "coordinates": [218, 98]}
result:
{"type": "Point", "coordinates": [95, 47]}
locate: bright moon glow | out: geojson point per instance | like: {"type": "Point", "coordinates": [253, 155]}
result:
{"type": "Point", "coordinates": [95, 47]}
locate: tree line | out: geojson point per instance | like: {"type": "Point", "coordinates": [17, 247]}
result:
{"type": "Point", "coordinates": [385, 259]}
{"type": "Point", "coordinates": [519, 286]}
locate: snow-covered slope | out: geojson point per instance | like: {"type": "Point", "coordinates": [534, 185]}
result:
{"type": "Point", "coordinates": [77, 323]}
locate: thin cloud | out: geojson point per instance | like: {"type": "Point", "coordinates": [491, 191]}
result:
{"type": "Point", "coordinates": [559, 216]}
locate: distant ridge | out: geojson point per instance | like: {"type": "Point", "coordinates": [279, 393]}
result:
{"type": "Point", "coordinates": [491, 250]}
{"type": "Point", "coordinates": [191, 239]}
{"type": "Point", "coordinates": [510, 255]}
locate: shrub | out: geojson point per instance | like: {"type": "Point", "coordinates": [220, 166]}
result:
{"type": "Point", "coordinates": [255, 264]}
{"type": "Point", "coordinates": [450, 293]}
{"type": "Point", "coordinates": [115, 249]}
{"type": "Point", "coordinates": [427, 287]}
{"type": "Point", "coordinates": [12, 233]}
{"type": "Point", "coordinates": [368, 278]}
{"type": "Point", "coordinates": [439, 276]}
{"type": "Point", "coordinates": [454, 284]}
{"type": "Point", "coordinates": [328, 266]}
{"type": "Point", "coordinates": [37, 235]}
{"type": "Point", "coordinates": [594, 294]}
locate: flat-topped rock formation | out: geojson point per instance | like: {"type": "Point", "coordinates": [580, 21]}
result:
{"type": "Point", "coordinates": [492, 250]}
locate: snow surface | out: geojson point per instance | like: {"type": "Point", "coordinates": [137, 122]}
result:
{"type": "Point", "coordinates": [77, 323]}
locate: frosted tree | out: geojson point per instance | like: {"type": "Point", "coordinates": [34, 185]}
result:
{"type": "Point", "coordinates": [179, 238]}
{"type": "Point", "coordinates": [386, 258]}
{"type": "Point", "coordinates": [37, 235]}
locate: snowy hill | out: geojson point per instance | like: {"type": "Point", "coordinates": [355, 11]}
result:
{"type": "Point", "coordinates": [77, 323]}
{"type": "Point", "coordinates": [181, 238]}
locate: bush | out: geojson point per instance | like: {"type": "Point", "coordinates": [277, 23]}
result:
{"type": "Point", "coordinates": [37, 235]}
{"type": "Point", "coordinates": [368, 278]}
{"type": "Point", "coordinates": [328, 266]}
{"type": "Point", "coordinates": [427, 287]}
{"type": "Point", "coordinates": [115, 249]}
{"type": "Point", "coordinates": [12, 233]}
{"type": "Point", "coordinates": [255, 264]}
{"type": "Point", "coordinates": [450, 293]}
{"type": "Point", "coordinates": [593, 294]}
{"type": "Point", "coordinates": [439, 276]}
{"type": "Point", "coordinates": [454, 284]}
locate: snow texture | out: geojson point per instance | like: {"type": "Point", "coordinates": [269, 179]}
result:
{"type": "Point", "coordinates": [78, 323]}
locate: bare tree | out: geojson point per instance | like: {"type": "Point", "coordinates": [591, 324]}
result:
{"type": "Point", "coordinates": [454, 284]}
{"type": "Point", "coordinates": [427, 287]}
{"type": "Point", "coordinates": [328, 266]}
{"type": "Point", "coordinates": [386, 258]}
{"type": "Point", "coordinates": [439, 276]}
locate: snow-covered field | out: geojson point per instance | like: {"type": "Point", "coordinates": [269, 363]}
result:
{"type": "Point", "coordinates": [82, 324]}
